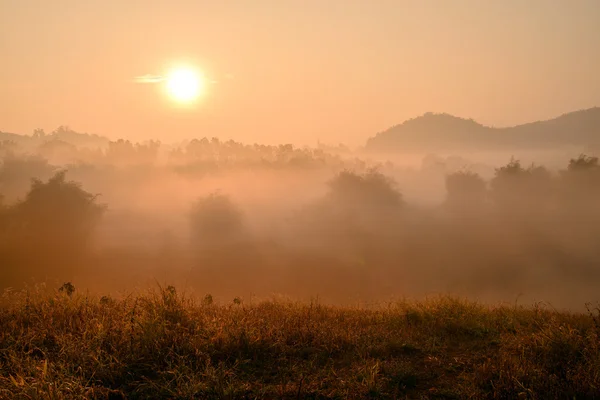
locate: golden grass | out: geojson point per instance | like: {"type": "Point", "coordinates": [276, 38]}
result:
{"type": "Point", "coordinates": [164, 345]}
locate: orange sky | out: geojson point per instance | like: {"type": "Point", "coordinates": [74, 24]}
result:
{"type": "Point", "coordinates": [293, 71]}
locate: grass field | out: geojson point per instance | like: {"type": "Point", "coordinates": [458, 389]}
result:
{"type": "Point", "coordinates": [161, 344]}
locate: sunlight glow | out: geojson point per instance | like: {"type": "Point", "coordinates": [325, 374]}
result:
{"type": "Point", "coordinates": [184, 85]}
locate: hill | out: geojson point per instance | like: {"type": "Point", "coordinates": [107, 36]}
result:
{"type": "Point", "coordinates": [436, 132]}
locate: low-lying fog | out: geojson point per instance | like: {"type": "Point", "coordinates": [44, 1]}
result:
{"type": "Point", "coordinates": [260, 221]}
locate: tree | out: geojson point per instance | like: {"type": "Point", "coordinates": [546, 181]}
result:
{"type": "Point", "coordinates": [54, 224]}
{"type": "Point", "coordinates": [582, 174]}
{"type": "Point", "coordinates": [16, 173]}
{"type": "Point", "coordinates": [224, 252]}
{"type": "Point", "coordinates": [47, 234]}
{"type": "Point", "coordinates": [580, 185]}
{"type": "Point", "coordinates": [215, 220]}
{"type": "Point", "coordinates": [466, 191]}
{"type": "Point", "coordinates": [583, 163]}
{"type": "Point", "coordinates": [372, 190]}
{"type": "Point", "coordinates": [59, 204]}
{"type": "Point", "coordinates": [39, 133]}
{"type": "Point", "coordinates": [518, 190]}
{"type": "Point", "coordinates": [120, 151]}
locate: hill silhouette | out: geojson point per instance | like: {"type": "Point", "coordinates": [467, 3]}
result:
{"type": "Point", "coordinates": [436, 132]}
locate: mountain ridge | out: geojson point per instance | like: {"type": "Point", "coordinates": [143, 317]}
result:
{"type": "Point", "coordinates": [436, 131]}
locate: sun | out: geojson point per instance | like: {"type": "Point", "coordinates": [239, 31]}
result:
{"type": "Point", "coordinates": [184, 85]}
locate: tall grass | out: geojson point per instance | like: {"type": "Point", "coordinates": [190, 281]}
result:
{"type": "Point", "coordinates": [162, 344]}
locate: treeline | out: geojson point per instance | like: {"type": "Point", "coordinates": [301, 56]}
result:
{"type": "Point", "coordinates": [532, 190]}
{"type": "Point", "coordinates": [525, 228]}
{"type": "Point", "coordinates": [135, 161]}
{"type": "Point", "coordinates": [195, 153]}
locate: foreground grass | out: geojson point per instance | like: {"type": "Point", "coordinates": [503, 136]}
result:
{"type": "Point", "coordinates": [163, 345]}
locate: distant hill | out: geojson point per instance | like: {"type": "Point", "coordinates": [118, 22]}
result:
{"type": "Point", "coordinates": [440, 132]}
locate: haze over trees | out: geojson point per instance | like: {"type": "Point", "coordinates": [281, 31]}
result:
{"type": "Point", "coordinates": [253, 220]}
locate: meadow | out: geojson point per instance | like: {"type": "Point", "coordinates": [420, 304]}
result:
{"type": "Point", "coordinates": [58, 344]}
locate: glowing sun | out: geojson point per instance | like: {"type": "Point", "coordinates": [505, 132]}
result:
{"type": "Point", "coordinates": [184, 85]}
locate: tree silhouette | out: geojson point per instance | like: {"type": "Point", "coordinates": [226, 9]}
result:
{"type": "Point", "coordinates": [583, 163]}
{"type": "Point", "coordinates": [582, 174]}
{"type": "Point", "coordinates": [466, 191]}
{"type": "Point", "coordinates": [580, 185]}
{"type": "Point", "coordinates": [371, 190]}
{"type": "Point", "coordinates": [223, 250]}
{"type": "Point", "coordinates": [16, 173]}
{"type": "Point", "coordinates": [517, 190]}
{"type": "Point", "coordinates": [359, 214]}
{"type": "Point", "coordinates": [54, 224]}
{"type": "Point", "coordinates": [39, 133]}
{"type": "Point", "coordinates": [60, 205]}
{"type": "Point", "coordinates": [215, 220]}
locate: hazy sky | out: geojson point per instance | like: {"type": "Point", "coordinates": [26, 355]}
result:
{"type": "Point", "coordinates": [294, 71]}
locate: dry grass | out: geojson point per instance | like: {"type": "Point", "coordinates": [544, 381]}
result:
{"type": "Point", "coordinates": [164, 345]}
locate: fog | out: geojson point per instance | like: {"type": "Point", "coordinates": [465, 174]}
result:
{"type": "Point", "coordinates": [253, 221]}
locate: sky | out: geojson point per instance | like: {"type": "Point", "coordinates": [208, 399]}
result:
{"type": "Point", "coordinates": [293, 71]}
